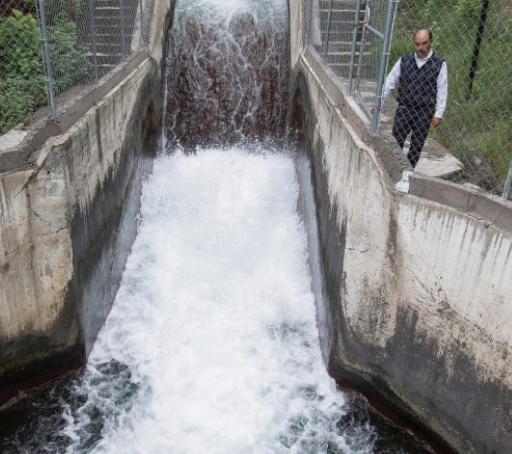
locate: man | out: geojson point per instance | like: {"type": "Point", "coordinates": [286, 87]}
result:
{"type": "Point", "coordinates": [422, 79]}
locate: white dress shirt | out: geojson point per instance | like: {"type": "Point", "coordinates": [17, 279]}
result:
{"type": "Point", "coordinates": [442, 83]}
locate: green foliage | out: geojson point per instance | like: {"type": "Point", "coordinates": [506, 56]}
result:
{"type": "Point", "coordinates": [478, 130]}
{"type": "Point", "coordinates": [469, 8]}
{"type": "Point", "coordinates": [22, 84]}
{"type": "Point", "coordinates": [69, 60]}
{"type": "Point", "coordinates": [18, 99]}
{"type": "Point", "coordinates": [30, 4]}
{"type": "Point", "coordinates": [20, 45]}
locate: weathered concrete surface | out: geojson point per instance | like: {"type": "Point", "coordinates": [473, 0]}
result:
{"type": "Point", "coordinates": [418, 285]}
{"type": "Point", "coordinates": [68, 218]}
{"type": "Point", "coordinates": [61, 223]}
{"type": "Point", "coordinates": [19, 148]}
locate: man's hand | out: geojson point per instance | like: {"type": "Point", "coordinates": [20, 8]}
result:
{"type": "Point", "coordinates": [436, 121]}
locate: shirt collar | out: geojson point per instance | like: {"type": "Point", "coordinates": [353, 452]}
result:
{"type": "Point", "coordinates": [418, 59]}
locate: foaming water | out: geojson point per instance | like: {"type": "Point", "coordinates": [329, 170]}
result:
{"type": "Point", "coordinates": [226, 72]}
{"type": "Point", "coordinates": [212, 344]}
{"type": "Point", "coordinates": [214, 323]}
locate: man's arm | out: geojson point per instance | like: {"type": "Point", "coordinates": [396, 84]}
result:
{"type": "Point", "coordinates": [391, 80]}
{"type": "Point", "coordinates": [442, 95]}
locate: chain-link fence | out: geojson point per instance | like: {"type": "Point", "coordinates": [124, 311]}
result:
{"type": "Point", "coordinates": [50, 48]}
{"type": "Point", "coordinates": [376, 30]}
{"type": "Point", "coordinates": [473, 144]}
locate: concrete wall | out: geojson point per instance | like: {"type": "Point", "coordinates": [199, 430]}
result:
{"type": "Point", "coordinates": [418, 286]}
{"type": "Point", "coordinates": [68, 219]}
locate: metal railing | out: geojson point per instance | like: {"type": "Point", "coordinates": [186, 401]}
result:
{"type": "Point", "coordinates": [372, 65]}
{"type": "Point", "coordinates": [50, 49]}
{"type": "Point", "coordinates": [356, 38]}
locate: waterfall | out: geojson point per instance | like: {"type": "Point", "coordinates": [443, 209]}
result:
{"type": "Point", "coordinates": [226, 72]}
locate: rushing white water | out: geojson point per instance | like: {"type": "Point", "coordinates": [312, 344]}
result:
{"type": "Point", "coordinates": [226, 72]}
{"type": "Point", "coordinates": [215, 321]}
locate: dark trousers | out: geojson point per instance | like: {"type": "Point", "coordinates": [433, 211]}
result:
{"type": "Point", "coordinates": [417, 121]}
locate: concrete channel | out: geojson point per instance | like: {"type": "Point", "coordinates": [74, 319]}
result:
{"type": "Point", "coordinates": [418, 284]}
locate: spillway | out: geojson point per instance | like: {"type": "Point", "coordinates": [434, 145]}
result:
{"type": "Point", "coordinates": [212, 344]}
{"type": "Point", "coordinates": [227, 72]}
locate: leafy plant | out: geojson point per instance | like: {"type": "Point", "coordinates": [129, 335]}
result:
{"type": "Point", "coordinates": [69, 60]}
{"type": "Point", "coordinates": [470, 8]}
{"type": "Point", "coordinates": [18, 99]}
{"type": "Point", "coordinates": [22, 87]}
{"type": "Point", "coordinates": [20, 45]}
{"type": "Point", "coordinates": [30, 4]}
{"type": "Point", "coordinates": [22, 84]}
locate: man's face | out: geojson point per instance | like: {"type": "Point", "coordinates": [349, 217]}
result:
{"type": "Point", "coordinates": [422, 44]}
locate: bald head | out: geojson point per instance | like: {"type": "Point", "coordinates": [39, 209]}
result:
{"type": "Point", "coordinates": [423, 42]}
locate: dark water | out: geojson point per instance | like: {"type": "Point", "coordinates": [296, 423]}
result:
{"type": "Point", "coordinates": [36, 423]}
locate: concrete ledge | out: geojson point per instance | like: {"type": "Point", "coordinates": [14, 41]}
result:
{"type": "Point", "coordinates": [417, 285]}
{"type": "Point", "coordinates": [69, 197]}
{"type": "Point", "coordinates": [24, 155]}
{"type": "Point", "coordinates": [482, 205]}
{"type": "Point", "coordinates": [491, 210]}
{"type": "Point", "coordinates": [67, 227]}
{"type": "Point", "coordinates": [391, 157]}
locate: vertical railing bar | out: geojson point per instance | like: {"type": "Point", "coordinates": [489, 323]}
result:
{"type": "Point", "coordinates": [329, 15]}
{"type": "Point", "coordinates": [92, 6]}
{"type": "Point", "coordinates": [354, 45]}
{"type": "Point", "coordinates": [141, 13]}
{"type": "Point", "coordinates": [363, 43]}
{"type": "Point", "coordinates": [476, 50]}
{"type": "Point", "coordinates": [508, 183]}
{"type": "Point", "coordinates": [46, 60]}
{"type": "Point", "coordinates": [309, 25]}
{"type": "Point", "coordinates": [390, 21]}
{"type": "Point", "coordinates": [123, 36]}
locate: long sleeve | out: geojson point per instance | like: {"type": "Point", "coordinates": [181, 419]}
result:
{"type": "Point", "coordinates": [442, 91]}
{"type": "Point", "coordinates": [391, 80]}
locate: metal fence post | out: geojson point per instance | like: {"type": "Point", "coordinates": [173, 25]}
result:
{"type": "Point", "coordinates": [123, 35]}
{"type": "Point", "coordinates": [92, 6]}
{"type": "Point", "coordinates": [508, 183]}
{"type": "Point", "coordinates": [309, 20]}
{"type": "Point", "coordinates": [46, 59]}
{"type": "Point", "coordinates": [141, 13]}
{"type": "Point", "coordinates": [390, 22]}
{"type": "Point", "coordinates": [362, 44]}
{"type": "Point", "coordinates": [478, 43]}
{"type": "Point", "coordinates": [354, 45]}
{"type": "Point", "coordinates": [329, 14]}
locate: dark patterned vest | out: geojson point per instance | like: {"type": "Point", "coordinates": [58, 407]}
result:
{"type": "Point", "coordinates": [418, 86]}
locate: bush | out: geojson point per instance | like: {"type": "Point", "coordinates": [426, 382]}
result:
{"type": "Point", "coordinates": [18, 99]}
{"type": "Point", "coordinates": [69, 59]}
{"type": "Point", "coordinates": [469, 8]}
{"type": "Point", "coordinates": [22, 85]}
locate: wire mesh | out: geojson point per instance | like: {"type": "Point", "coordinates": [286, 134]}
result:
{"type": "Point", "coordinates": [475, 39]}
{"type": "Point", "coordinates": [331, 30]}
{"type": "Point", "coordinates": [22, 83]}
{"type": "Point", "coordinates": [50, 49]}
{"type": "Point", "coordinates": [473, 144]}
{"type": "Point", "coordinates": [370, 55]}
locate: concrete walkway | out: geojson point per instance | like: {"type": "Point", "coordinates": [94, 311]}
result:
{"type": "Point", "coordinates": [435, 160]}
